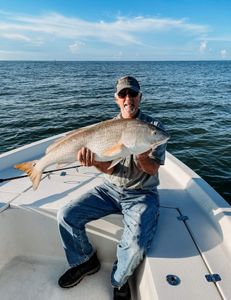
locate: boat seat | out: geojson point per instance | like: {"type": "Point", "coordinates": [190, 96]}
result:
{"type": "Point", "coordinates": [173, 253]}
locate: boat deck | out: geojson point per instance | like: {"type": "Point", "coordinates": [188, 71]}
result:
{"type": "Point", "coordinates": [32, 258]}
{"type": "Point", "coordinates": [35, 278]}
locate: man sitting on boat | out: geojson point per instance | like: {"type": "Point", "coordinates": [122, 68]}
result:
{"type": "Point", "coordinates": [129, 188]}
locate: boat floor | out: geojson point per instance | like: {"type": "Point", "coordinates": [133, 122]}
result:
{"type": "Point", "coordinates": [42, 272]}
{"type": "Point", "coordinates": [192, 239]}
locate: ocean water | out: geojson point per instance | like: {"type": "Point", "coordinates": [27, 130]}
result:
{"type": "Point", "coordinates": [192, 99]}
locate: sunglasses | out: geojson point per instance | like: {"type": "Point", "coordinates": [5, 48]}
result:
{"type": "Point", "coordinates": [130, 93]}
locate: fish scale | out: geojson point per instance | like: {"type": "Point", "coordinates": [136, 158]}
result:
{"type": "Point", "coordinates": [111, 140]}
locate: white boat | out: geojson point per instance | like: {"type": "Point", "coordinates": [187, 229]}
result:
{"type": "Point", "coordinates": [190, 257]}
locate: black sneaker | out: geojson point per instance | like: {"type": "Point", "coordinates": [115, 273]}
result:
{"type": "Point", "coordinates": [123, 293]}
{"type": "Point", "coordinates": [74, 275]}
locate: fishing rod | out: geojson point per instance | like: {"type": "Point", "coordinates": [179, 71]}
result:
{"type": "Point", "coordinates": [45, 172]}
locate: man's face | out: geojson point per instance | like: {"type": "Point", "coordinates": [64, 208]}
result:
{"type": "Point", "coordinates": [128, 102]}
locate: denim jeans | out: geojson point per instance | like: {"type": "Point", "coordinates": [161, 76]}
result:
{"type": "Point", "coordinates": [140, 210]}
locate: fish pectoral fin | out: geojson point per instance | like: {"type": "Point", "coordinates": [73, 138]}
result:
{"type": "Point", "coordinates": [114, 150]}
{"type": "Point", "coordinates": [115, 162]}
{"type": "Point", "coordinates": [118, 150]}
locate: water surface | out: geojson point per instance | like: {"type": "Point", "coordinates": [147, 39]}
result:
{"type": "Point", "coordinates": [192, 99]}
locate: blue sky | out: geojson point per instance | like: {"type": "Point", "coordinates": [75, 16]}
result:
{"type": "Point", "coordinates": [115, 30]}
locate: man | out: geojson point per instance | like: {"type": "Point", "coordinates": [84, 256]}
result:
{"type": "Point", "coordinates": [130, 188]}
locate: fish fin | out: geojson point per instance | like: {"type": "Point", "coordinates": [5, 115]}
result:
{"type": "Point", "coordinates": [114, 150]}
{"type": "Point", "coordinates": [115, 162]}
{"type": "Point", "coordinates": [34, 174]}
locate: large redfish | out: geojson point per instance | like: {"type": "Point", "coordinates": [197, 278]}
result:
{"type": "Point", "coordinates": [110, 140]}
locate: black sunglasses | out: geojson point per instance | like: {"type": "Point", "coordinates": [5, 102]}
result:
{"type": "Point", "coordinates": [125, 92]}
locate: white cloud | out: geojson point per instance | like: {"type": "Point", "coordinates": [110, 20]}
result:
{"type": "Point", "coordinates": [157, 24]}
{"type": "Point", "coordinates": [223, 53]}
{"type": "Point", "coordinates": [15, 37]}
{"type": "Point", "coordinates": [221, 38]}
{"type": "Point", "coordinates": [121, 31]}
{"type": "Point", "coordinates": [74, 48]}
{"type": "Point", "coordinates": [203, 46]}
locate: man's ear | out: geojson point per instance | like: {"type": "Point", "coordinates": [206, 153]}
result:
{"type": "Point", "coordinates": [116, 98]}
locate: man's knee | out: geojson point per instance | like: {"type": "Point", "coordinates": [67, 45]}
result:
{"type": "Point", "coordinates": [67, 214]}
{"type": "Point", "coordinates": [61, 215]}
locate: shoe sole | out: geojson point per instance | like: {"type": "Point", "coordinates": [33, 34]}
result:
{"type": "Point", "coordinates": [91, 272]}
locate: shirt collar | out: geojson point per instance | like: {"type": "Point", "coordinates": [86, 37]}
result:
{"type": "Point", "coordinates": [119, 116]}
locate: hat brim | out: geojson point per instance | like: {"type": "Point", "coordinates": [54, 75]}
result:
{"type": "Point", "coordinates": [126, 86]}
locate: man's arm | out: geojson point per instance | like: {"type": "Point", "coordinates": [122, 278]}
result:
{"type": "Point", "coordinates": [87, 158]}
{"type": "Point", "coordinates": [146, 163]}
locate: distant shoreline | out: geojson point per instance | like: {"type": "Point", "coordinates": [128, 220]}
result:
{"type": "Point", "coordinates": [120, 61]}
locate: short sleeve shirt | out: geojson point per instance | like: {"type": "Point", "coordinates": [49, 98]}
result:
{"type": "Point", "coordinates": [126, 173]}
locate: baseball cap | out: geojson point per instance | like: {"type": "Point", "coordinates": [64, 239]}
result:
{"type": "Point", "coordinates": [127, 82]}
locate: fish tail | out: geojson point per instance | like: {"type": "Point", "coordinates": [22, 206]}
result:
{"type": "Point", "coordinates": [34, 173]}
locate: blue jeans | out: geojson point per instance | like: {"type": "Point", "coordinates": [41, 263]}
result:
{"type": "Point", "coordinates": [140, 210]}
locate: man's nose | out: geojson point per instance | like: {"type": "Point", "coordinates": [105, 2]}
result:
{"type": "Point", "coordinates": [128, 96]}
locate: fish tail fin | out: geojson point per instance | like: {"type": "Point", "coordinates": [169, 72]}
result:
{"type": "Point", "coordinates": [34, 173]}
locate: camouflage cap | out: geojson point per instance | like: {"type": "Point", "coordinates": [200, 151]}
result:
{"type": "Point", "coordinates": [127, 82]}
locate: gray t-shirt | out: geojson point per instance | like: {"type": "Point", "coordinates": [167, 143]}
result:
{"type": "Point", "coordinates": [127, 175]}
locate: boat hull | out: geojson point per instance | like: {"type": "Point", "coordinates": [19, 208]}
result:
{"type": "Point", "coordinates": [193, 234]}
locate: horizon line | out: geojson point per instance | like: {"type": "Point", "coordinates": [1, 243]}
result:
{"type": "Point", "coordinates": [167, 60]}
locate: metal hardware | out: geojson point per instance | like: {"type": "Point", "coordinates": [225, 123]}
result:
{"type": "Point", "coordinates": [182, 218]}
{"type": "Point", "coordinates": [173, 279]}
{"type": "Point", "coordinates": [213, 277]}
{"type": "Point", "coordinates": [63, 173]}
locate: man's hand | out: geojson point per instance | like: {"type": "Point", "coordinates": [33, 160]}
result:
{"type": "Point", "coordinates": [87, 158]}
{"type": "Point", "coordinates": [144, 155]}
{"type": "Point", "coordinates": [146, 164]}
